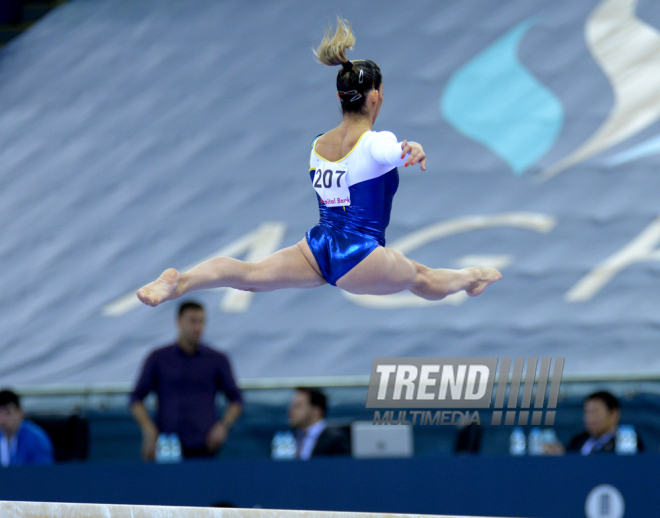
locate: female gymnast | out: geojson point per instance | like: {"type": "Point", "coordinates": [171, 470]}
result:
{"type": "Point", "coordinates": [354, 173]}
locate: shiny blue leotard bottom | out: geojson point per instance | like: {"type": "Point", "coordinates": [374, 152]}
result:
{"type": "Point", "coordinates": [337, 253]}
{"type": "Point", "coordinates": [346, 235]}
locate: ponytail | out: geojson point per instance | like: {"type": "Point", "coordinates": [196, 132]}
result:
{"type": "Point", "coordinates": [332, 50]}
{"type": "Point", "coordinates": [355, 78]}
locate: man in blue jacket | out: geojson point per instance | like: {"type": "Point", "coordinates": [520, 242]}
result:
{"type": "Point", "coordinates": [21, 441]}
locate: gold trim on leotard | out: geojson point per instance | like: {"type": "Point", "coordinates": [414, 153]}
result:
{"type": "Point", "coordinates": [341, 159]}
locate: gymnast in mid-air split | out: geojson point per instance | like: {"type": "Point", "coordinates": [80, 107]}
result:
{"type": "Point", "coordinates": [354, 173]}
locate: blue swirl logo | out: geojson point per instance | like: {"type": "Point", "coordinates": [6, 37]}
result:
{"type": "Point", "coordinates": [494, 100]}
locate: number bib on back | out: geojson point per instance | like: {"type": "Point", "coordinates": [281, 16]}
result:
{"type": "Point", "coordinates": [331, 185]}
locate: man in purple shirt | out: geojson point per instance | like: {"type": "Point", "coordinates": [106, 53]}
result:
{"type": "Point", "coordinates": [186, 377]}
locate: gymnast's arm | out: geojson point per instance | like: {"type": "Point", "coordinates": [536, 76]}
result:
{"type": "Point", "coordinates": [385, 149]}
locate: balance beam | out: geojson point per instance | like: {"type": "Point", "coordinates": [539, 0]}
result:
{"type": "Point", "coordinates": [56, 510]}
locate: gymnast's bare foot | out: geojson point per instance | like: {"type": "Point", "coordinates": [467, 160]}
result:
{"type": "Point", "coordinates": [483, 277]}
{"type": "Point", "coordinates": [162, 289]}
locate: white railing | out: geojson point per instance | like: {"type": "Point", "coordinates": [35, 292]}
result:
{"type": "Point", "coordinates": [303, 381]}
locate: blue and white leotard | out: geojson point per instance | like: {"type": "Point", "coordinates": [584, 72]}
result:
{"type": "Point", "coordinates": [353, 221]}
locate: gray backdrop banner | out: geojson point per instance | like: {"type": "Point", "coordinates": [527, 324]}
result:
{"type": "Point", "coordinates": [148, 144]}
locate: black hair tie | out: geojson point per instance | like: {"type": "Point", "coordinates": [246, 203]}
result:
{"type": "Point", "coordinates": [347, 65]}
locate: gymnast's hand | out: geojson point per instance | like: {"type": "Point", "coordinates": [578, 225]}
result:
{"type": "Point", "coordinates": [416, 154]}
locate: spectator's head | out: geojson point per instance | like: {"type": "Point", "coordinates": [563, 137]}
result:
{"type": "Point", "coordinates": [307, 407]}
{"type": "Point", "coordinates": [11, 415]}
{"type": "Point", "coordinates": [190, 322]}
{"type": "Point", "coordinates": [602, 412]}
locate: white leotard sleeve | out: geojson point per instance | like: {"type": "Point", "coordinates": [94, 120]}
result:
{"type": "Point", "coordinates": [385, 149]}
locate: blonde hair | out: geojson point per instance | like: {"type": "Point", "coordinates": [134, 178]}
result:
{"type": "Point", "coordinates": [332, 50]}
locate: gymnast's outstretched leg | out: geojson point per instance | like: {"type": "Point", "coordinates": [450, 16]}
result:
{"type": "Point", "coordinates": [292, 267]}
{"type": "Point", "coordinates": [383, 272]}
{"type": "Point", "coordinates": [386, 271]}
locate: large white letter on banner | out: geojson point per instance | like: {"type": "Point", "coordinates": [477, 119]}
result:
{"type": "Point", "coordinates": [255, 246]}
{"type": "Point", "coordinates": [642, 248]}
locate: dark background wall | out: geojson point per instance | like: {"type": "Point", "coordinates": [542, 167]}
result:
{"type": "Point", "coordinates": [113, 435]}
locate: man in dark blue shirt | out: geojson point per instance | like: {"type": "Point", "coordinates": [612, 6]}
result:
{"type": "Point", "coordinates": [186, 377]}
{"type": "Point", "coordinates": [21, 441]}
